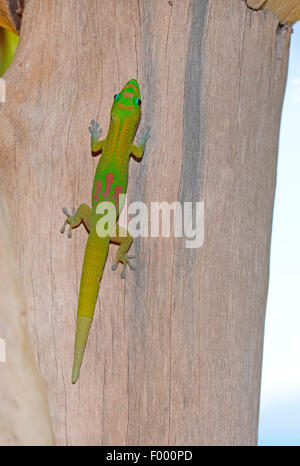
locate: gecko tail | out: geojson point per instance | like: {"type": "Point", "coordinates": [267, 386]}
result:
{"type": "Point", "coordinates": [82, 332]}
{"type": "Point", "coordinates": [93, 264]}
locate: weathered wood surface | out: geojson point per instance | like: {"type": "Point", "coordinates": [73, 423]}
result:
{"type": "Point", "coordinates": [24, 415]}
{"type": "Point", "coordinates": [287, 11]}
{"type": "Point", "coordinates": [11, 14]}
{"type": "Point", "coordinates": [174, 354]}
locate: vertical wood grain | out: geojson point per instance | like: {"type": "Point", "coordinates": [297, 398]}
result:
{"type": "Point", "coordinates": [24, 415]}
{"type": "Point", "coordinates": [174, 354]}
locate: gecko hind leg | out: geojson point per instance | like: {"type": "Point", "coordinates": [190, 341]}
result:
{"type": "Point", "coordinates": [82, 214]}
{"type": "Point", "coordinates": [124, 239]}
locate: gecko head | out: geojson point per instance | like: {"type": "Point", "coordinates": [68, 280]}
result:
{"type": "Point", "coordinates": [127, 102]}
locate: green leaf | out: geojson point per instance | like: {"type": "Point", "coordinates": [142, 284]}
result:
{"type": "Point", "coordinates": [8, 46]}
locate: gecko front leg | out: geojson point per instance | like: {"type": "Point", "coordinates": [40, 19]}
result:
{"type": "Point", "coordinates": [82, 214]}
{"type": "Point", "coordinates": [96, 145]}
{"type": "Point", "coordinates": [138, 151]}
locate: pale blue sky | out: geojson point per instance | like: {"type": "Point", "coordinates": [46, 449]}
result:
{"type": "Point", "coordinates": [280, 395]}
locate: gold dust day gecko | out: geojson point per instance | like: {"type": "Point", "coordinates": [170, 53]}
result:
{"type": "Point", "coordinates": [110, 181]}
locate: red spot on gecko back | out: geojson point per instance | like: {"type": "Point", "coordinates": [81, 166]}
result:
{"type": "Point", "coordinates": [97, 191]}
{"type": "Point", "coordinates": [98, 186]}
{"type": "Point", "coordinates": [117, 191]}
{"type": "Point", "coordinates": [109, 179]}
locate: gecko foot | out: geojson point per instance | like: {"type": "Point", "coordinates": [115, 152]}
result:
{"type": "Point", "coordinates": [70, 220]}
{"type": "Point", "coordinates": [124, 259]}
{"type": "Point", "coordinates": [142, 140]}
{"type": "Point", "coordinates": [95, 130]}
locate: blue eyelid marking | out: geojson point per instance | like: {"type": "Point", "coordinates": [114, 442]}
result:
{"type": "Point", "coordinates": [116, 95]}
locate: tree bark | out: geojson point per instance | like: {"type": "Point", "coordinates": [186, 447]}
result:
{"type": "Point", "coordinates": [174, 354]}
{"type": "Point", "coordinates": [24, 415]}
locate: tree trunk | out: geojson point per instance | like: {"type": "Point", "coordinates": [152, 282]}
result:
{"type": "Point", "coordinates": [174, 354]}
{"type": "Point", "coordinates": [24, 416]}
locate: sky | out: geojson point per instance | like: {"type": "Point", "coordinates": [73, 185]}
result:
{"type": "Point", "coordinates": [279, 419]}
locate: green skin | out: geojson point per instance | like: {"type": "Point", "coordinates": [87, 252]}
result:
{"type": "Point", "coordinates": [110, 180]}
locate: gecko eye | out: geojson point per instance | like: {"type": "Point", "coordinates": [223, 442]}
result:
{"type": "Point", "coordinates": [139, 102]}
{"type": "Point", "coordinates": [116, 95]}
